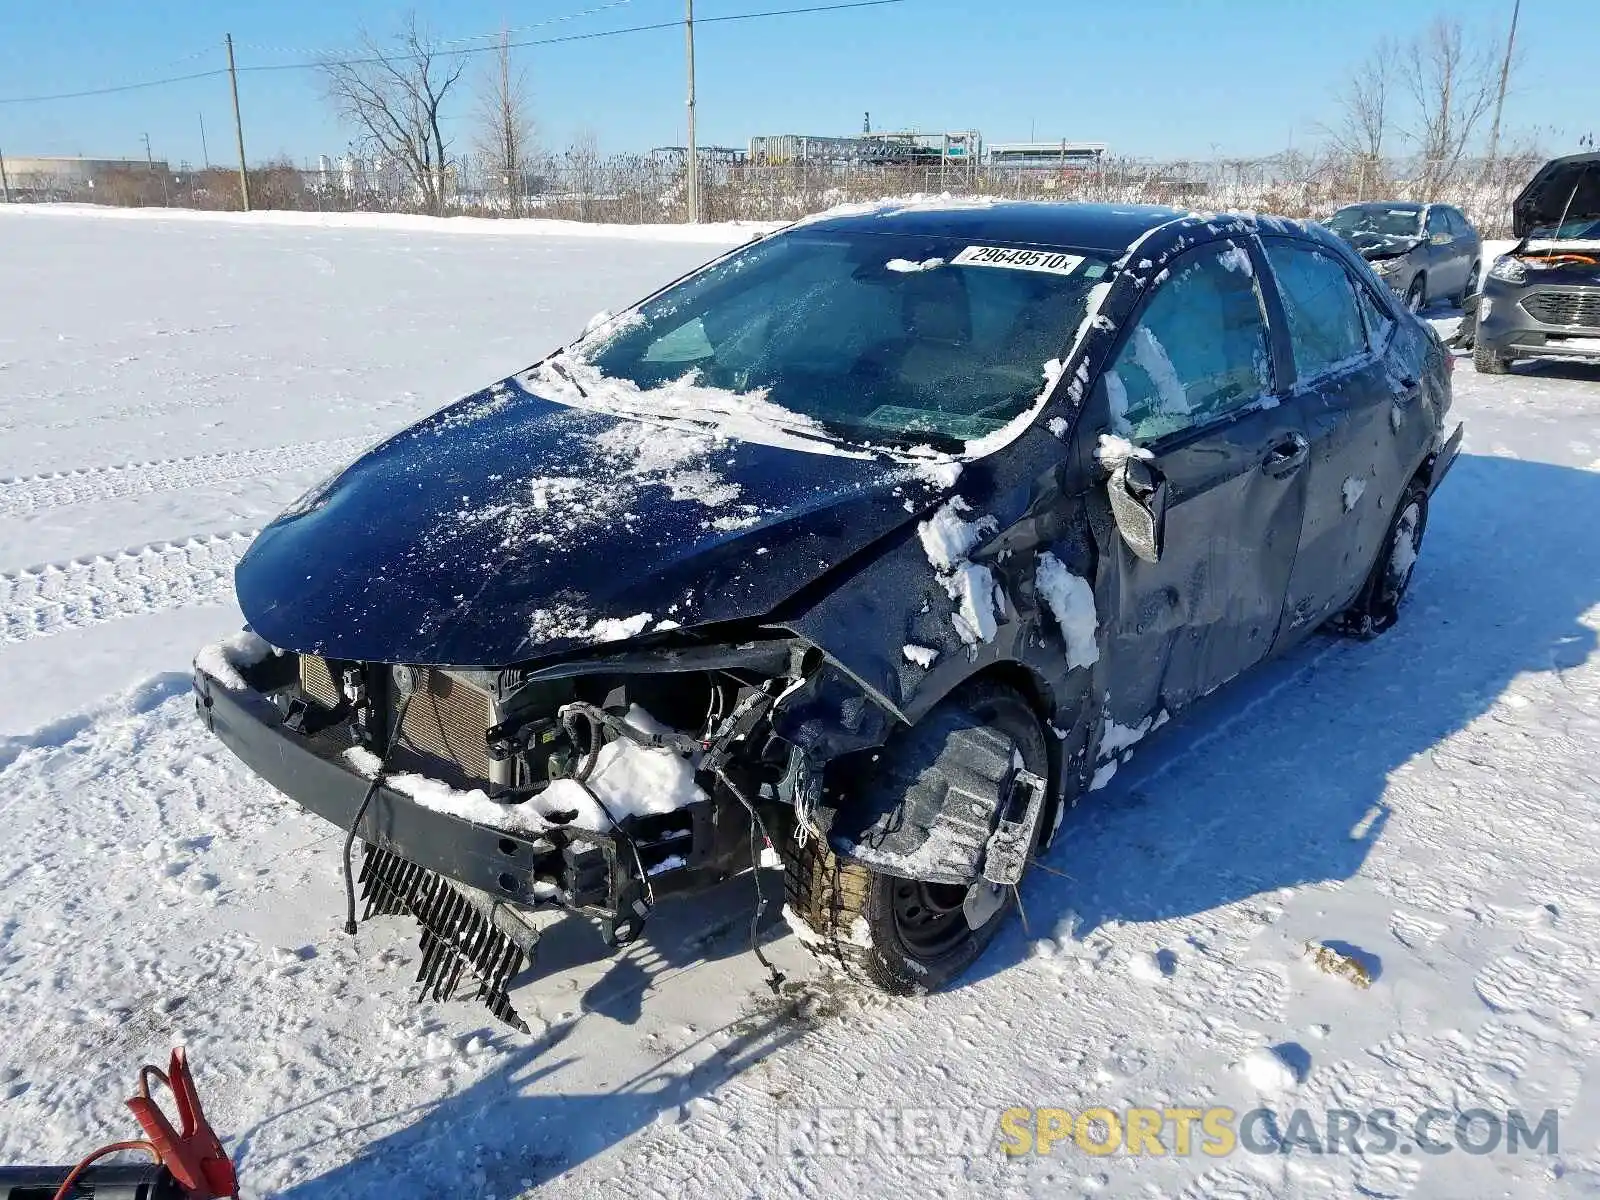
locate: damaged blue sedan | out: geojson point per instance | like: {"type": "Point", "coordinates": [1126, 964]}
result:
{"type": "Point", "coordinates": [875, 544]}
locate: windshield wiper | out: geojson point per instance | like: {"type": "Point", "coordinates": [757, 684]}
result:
{"type": "Point", "coordinates": [556, 366]}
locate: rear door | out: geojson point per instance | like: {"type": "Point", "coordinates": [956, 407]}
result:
{"type": "Point", "coordinates": [1354, 395]}
{"type": "Point", "coordinates": [1194, 384]}
{"type": "Point", "coordinates": [1446, 271]}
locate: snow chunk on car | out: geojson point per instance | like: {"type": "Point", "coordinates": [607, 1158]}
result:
{"type": "Point", "coordinates": [224, 660]}
{"type": "Point", "coordinates": [629, 779]}
{"type": "Point", "coordinates": [1071, 601]}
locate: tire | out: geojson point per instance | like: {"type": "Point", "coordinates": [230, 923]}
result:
{"type": "Point", "coordinates": [900, 935]}
{"type": "Point", "coordinates": [1417, 294]}
{"type": "Point", "coordinates": [1377, 606]}
{"type": "Point", "coordinates": [1470, 286]}
{"type": "Point", "coordinates": [1486, 362]}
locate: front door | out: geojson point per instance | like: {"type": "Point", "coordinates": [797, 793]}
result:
{"type": "Point", "coordinates": [1193, 386]}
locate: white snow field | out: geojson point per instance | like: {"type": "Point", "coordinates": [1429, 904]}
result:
{"type": "Point", "coordinates": [1424, 805]}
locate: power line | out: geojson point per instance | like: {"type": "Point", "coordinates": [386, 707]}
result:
{"type": "Point", "coordinates": [375, 59]}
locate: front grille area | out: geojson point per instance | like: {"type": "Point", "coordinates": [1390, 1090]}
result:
{"type": "Point", "coordinates": [316, 681]}
{"type": "Point", "coordinates": [1572, 310]}
{"type": "Point", "coordinates": [447, 719]}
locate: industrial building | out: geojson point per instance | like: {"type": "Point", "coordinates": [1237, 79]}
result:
{"type": "Point", "coordinates": [49, 178]}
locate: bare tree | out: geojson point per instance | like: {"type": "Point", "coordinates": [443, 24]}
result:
{"type": "Point", "coordinates": [1366, 103]}
{"type": "Point", "coordinates": [1453, 84]}
{"type": "Point", "coordinates": [582, 170]}
{"type": "Point", "coordinates": [505, 128]}
{"type": "Point", "coordinates": [393, 93]}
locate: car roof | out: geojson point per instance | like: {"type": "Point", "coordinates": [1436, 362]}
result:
{"type": "Point", "coordinates": [1110, 228]}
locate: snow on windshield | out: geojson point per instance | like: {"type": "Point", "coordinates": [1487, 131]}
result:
{"type": "Point", "coordinates": [844, 342]}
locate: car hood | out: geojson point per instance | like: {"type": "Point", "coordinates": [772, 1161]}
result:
{"type": "Point", "coordinates": [507, 527]}
{"type": "Point", "coordinates": [1567, 187]}
{"type": "Point", "coordinates": [1374, 246]}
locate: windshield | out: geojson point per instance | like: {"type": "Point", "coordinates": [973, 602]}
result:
{"type": "Point", "coordinates": [1581, 229]}
{"type": "Point", "coordinates": [880, 338]}
{"type": "Point", "coordinates": [1388, 220]}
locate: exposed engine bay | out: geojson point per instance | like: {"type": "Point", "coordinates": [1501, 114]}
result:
{"type": "Point", "coordinates": [591, 786]}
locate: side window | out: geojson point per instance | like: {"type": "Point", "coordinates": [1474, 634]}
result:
{"type": "Point", "coordinates": [1326, 329]}
{"type": "Point", "coordinates": [1199, 351]}
{"type": "Point", "coordinates": [1459, 225]}
{"type": "Point", "coordinates": [1438, 222]}
{"type": "Point", "coordinates": [1376, 318]}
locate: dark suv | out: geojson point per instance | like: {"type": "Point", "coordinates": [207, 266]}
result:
{"type": "Point", "coordinates": [1542, 300]}
{"type": "Point", "coordinates": [1425, 252]}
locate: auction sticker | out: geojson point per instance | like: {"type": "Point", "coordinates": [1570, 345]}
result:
{"type": "Point", "coordinates": [1049, 261]}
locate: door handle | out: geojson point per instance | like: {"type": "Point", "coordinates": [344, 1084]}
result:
{"type": "Point", "coordinates": [1410, 390]}
{"type": "Point", "coordinates": [1287, 457]}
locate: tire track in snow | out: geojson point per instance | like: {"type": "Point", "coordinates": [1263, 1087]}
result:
{"type": "Point", "coordinates": [30, 493]}
{"type": "Point", "coordinates": [52, 599]}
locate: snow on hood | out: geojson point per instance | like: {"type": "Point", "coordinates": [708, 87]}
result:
{"type": "Point", "coordinates": [509, 526]}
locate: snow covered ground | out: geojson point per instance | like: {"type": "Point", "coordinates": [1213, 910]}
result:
{"type": "Point", "coordinates": [1424, 804]}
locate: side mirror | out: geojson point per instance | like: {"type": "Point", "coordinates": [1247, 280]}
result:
{"type": "Point", "coordinates": [1138, 495]}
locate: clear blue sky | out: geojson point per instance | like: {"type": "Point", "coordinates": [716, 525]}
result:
{"type": "Point", "coordinates": [1151, 77]}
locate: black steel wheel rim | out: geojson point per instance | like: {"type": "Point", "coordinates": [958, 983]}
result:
{"type": "Point", "coordinates": [930, 918]}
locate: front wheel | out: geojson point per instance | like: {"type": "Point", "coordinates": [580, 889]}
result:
{"type": "Point", "coordinates": [1377, 607]}
{"type": "Point", "coordinates": [1486, 362]}
{"type": "Point", "coordinates": [905, 935]}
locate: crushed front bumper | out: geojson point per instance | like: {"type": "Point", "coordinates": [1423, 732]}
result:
{"type": "Point", "coordinates": [313, 774]}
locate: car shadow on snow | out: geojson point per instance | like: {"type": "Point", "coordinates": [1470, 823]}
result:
{"type": "Point", "coordinates": [515, 1123]}
{"type": "Point", "coordinates": [1278, 780]}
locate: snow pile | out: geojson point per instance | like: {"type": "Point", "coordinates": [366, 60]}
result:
{"type": "Point", "coordinates": [568, 378]}
{"type": "Point", "coordinates": [1352, 492]}
{"type": "Point", "coordinates": [1113, 451]}
{"type": "Point", "coordinates": [630, 780]}
{"type": "Point", "coordinates": [1114, 738]}
{"type": "Point", "coordinates": [947, 539]}
{"type": "Point", "coordinates": [1071, 601]}
{"type": "Point", "coordinates": [224, 660]}
{"type": "Point", "coordinates": [569, 622]}
{"type": "Point", "coordinates": [474, 805]}
{"type": "Point", "coordinates": [613, 629]}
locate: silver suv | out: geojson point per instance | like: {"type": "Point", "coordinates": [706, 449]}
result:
{"type": "Point", "coordinates": [1542, 300]}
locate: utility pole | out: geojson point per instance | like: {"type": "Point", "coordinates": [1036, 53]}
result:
{"type": "Point", "coordinates": [238, 128]}
{"type": "Point", "coordinates": [204, 153]}
{"type": "Point", "coordinates": [149, 161]}
{"type": "Point", "coordinates": [5, 184]}
{"type": "Point", "coordinates": [1505, 76]}
{"type": "Point", "coordinates": [694, 154]}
